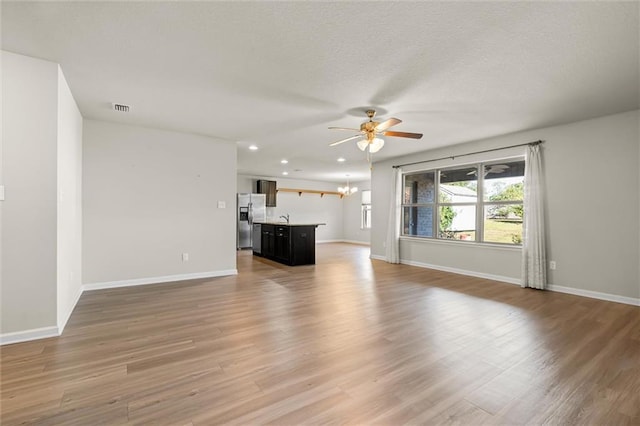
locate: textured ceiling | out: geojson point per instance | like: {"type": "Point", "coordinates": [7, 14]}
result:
{"type": "Point", "coordinates": [277, 74]}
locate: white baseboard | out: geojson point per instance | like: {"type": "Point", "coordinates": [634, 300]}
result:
{"type": "Point", "coordinates": [75, 302]}
{"type": "Point", "coordinates": [45, 332]}
{"type": "Point", "coordinates": [40, 333]}
{"type": "Point", "coordinates": [360, 243]}
{"type": "Point", "coordinates": [158, 280]}
{"type": "Point", "coordinates": [27, 335]}
{"type": "Point", "coordinates": [595, 295]}
{"type": "Point", "coordinates": [493, 277]}
{"type": "Point", "coordinates": [551, 287]}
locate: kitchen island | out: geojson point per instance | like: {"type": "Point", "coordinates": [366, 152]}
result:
{"type": "Point", "coordinates": [288, 243]}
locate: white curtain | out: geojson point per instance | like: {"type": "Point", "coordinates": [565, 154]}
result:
{"type": "Point", "coordinates": [392, 249]}
{"type": "Point", "coordinates": [534, 263]}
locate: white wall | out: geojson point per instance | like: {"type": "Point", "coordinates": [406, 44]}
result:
{"type": "Point", "coordinates": [352, 212]}
{"type": "Point", "coordinates": [29, 223]}
{"type": "Point", "coordinates": [307, 208]}
{"type": "Point", "coordinates": [149, 196]}
{"type": "Point", "coordinates": [593, 208]}
{"type": "Point", "coordinates": [592, 183]}
{"type": "Point", "coordinates": [69, 209]}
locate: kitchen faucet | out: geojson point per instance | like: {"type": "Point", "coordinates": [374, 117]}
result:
{"type": "Point", "coordinates": [286, 218]}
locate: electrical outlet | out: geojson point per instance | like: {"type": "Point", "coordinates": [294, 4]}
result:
{"type": "Point", "coordinates": [552, 265]}
{"type": "Point", "coordinates": [222, 205]}
{"type": "Point", "coordinates": [185, 257]}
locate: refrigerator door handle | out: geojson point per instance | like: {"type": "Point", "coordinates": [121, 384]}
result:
{"type": "Point", "coordinates": [250, 217]}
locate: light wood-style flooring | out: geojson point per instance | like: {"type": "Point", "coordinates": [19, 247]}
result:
{"type": "Point", "coordinates": [347, 341]}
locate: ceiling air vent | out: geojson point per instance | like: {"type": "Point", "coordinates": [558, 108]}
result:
{"type": "Point", "coordinates": [121, 107]}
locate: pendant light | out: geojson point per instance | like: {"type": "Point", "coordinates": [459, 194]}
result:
{"type": "Point", "coordinates": [347, 190]}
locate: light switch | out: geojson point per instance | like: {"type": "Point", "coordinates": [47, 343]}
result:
{"type": "Point", "coordinates": [222, 205]}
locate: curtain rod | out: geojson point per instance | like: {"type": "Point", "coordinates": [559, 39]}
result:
{"type": "Point", "coordinates": [452, 157]}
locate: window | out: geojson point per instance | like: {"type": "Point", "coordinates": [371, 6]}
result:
{"type": "Point", "coordinates": [418, 210]}
{"type": "Point", "coordinates": [365, 217]}
{"type": "Point", "coordinates": [479, 202]}
{"type": "Point", "coordinates": [503, 196]}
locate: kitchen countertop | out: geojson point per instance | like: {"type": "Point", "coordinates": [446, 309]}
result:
{"type": "Point", "coordinates": [289, 224]}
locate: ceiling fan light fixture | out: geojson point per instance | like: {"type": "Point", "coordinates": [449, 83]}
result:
{"type": "Point", "coordinates": [368, 134]}
{"type": "Point", "coordinates": [376, 145]}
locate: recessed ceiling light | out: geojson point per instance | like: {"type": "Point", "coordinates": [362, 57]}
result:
{"type": "Point", "coordinates": [285, 173]}
{"type": "Point", "coordinates": [253, 147]}
{"type": "Point", "coordinates": [284, 161]}
{"type": "Point", "coordinates": [341, 160]}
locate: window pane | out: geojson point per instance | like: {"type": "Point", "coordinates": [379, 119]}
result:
{"type": "Point", "coordinates": [366, 216]}
{"type": "Point", "coordinates": [459, 185]}
{"type": "Point", "coordinates": [419, 188]}
{"type": "Point", "coordinates": [504, 181]}
{"type": "Point", "coordinates": [503, 224]}
{"type": "Point", "coordinates": [418, 221]}
{"type": "Point", "coordinates": [366, 196]}
{"type": "Point", "coordinates": [457, 222]}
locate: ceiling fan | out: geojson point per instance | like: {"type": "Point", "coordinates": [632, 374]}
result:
{"type": "Point", "coordinates": [370, 130]}
{"type": "Point", "coordinates": [495, 168]}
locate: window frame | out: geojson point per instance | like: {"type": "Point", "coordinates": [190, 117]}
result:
{"type": "Point", "coordinates": [364, 208]}
{"type": "Point", "coordinates": [479, 205]}
{"type": "Point", "coordinates": [431, 204]}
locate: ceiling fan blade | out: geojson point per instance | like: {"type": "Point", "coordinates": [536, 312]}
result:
{"type": "Point", "coordinates": [344, 128]}
{"type": "Point", "coordinates": [403, 134]}
{"type": "Point", "coordinates": [344, 140]}
{"type": "Point", "coordinates": [386, 124]}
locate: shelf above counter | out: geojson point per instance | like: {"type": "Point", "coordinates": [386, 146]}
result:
{"type": "Point", "coordinates": [310, 191]}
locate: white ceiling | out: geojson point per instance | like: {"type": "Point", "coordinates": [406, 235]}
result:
{"type": "Point", "coordinates": [277, 74]}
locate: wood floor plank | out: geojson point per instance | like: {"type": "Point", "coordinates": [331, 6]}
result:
{"type": "Point", "coordinates": [346, 341]}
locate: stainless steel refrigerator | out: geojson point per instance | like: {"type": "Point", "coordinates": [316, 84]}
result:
{"type": "Point", "coordinates": [250, 208]}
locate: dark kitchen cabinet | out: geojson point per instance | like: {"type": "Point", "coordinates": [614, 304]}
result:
{"type": "Point", "coordinates": [303, 243]}
{"type": "Point", "coordinates": [268, 240]}
{"type": "Point", "coordinates": [282, 250]}
{"type": "Point", "coordinates": [291, 245]}
{"type": "Point", "coordinates": [268, 187]}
